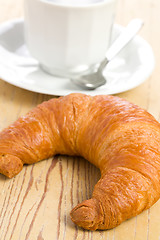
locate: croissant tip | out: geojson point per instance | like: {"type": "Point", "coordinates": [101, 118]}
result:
{"type": "Point", "coordinates": [85, 215]}
{"type": "Point", "coordinates": [10, 165]}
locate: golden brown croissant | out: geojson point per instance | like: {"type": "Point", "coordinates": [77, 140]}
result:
{"type": "Point", "coordinates": [118, 137]}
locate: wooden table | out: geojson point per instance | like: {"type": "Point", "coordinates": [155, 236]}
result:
{"type": "Point", "coordinates": [36, 203]}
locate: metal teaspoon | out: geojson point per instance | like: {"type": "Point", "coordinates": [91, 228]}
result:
{"type": "Point", "coordinates": [96, 79]}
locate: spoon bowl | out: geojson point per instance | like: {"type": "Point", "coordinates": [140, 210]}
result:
{"type": "Point", "coordinates": [89, 81]}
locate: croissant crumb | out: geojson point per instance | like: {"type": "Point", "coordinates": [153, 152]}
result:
{"type": "Point", "coordinates": [118, 137]}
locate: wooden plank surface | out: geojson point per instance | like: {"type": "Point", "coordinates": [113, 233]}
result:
{"type": "Point", "coordinates": [36, 203]}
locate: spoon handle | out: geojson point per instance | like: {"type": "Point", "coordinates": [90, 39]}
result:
{"type": "Point", "coordinates": [127, 35]}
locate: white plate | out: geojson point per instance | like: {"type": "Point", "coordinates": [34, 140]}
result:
{"type": "Point", "coordinates": [129, 69]}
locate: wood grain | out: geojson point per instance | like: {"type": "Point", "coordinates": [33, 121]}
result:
{"type": "Point", "coordinates": [36, 203]}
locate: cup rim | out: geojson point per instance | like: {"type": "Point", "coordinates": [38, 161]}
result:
{"type": "Point", "coordinates": [78, 6]}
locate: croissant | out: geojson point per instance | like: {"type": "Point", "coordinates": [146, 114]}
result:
{"type": "Point", "coordinates": [118, 137]}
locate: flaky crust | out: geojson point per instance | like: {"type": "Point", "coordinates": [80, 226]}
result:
{"type": "Point", "coordinates": [117, 136]}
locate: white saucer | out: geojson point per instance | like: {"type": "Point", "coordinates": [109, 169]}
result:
{"type": "Point", "coordinates": [129, 69]}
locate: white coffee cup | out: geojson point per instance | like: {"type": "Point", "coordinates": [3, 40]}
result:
{"type": "Point", "coordinates": [68, 37]}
